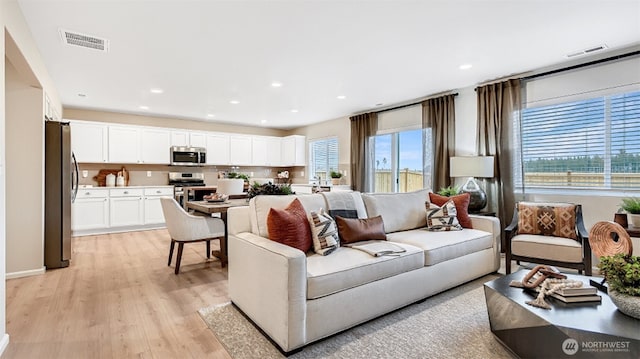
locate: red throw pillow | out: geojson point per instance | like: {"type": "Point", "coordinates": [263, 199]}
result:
{"type": "Point", "coordinates": [462, 206]}
{"type": "Point", "coordinates": [290, 226]}
{"type": "Point", "coordinates": [353, 230]}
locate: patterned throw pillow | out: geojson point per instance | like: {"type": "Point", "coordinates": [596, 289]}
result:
{"type": "Point", "coordinates": [558, 220]}
{"type": "Point", "coordinates": [324, 232]}
{"type": "Point", "coordinates": [462, 206]}
{"type": "Point", "coordinates": [290, 226]}
{"type": "Point", "coordinates": [442, 218]}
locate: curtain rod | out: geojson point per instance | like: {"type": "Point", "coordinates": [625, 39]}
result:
{"type": "Point", "coordinates": [410, 104]}
{"type": "Point", "coordinates": [595, 62]}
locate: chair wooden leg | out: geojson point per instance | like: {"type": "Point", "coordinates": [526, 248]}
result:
{"type": "Point", "coordinates": [208, 249]}
{"type": "Point", "coordinates": [507, 263]}
{"type": "Point", "coordinates": [173, 244]}
{"type": "Point", "coordinates": [179, 259]}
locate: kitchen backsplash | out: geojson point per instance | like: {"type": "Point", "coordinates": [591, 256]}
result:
{"type": "Point", "coordinates": [160, 173]}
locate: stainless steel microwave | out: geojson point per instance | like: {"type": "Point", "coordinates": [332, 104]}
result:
{"type": "Point", "coordinates": [188, 156]}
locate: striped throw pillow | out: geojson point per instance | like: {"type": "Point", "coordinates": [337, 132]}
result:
{"type": "Point", "coordinates": [323, 232]}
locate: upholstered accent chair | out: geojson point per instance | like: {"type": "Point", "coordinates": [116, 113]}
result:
{"type": "Point", "coordinates": [548, 233]}
{"type": "Point", "coordinates": [186, 228]}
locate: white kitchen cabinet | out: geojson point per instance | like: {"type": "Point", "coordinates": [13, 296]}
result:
{"type": "Point", "coordinates": [198, 139]}
{"type": "Point", "coordinates": [293, 151]}
{"type": "Point", "coordinates": [266, 151]}
{"type": "Point", "coordinates": [259, 151]}
{"type": "Point", "coordinates": [240, 150]}
{"type": "Point", "coordinates": [154, 146]}
{"type": "Point", "coordinates": [217, 149]}
{"type": "Point", "coordinates": [126, 207]}
{"type": "Point", "coordinates": [180, 138]}
{"type": "Point", "coordinates": [90, 211]}
{"type": "Point", "coordinates": [124, 144]}
{"type": "Point", "coordinates": [152, 207]}
{"type": "Point", "coordinates": [89, 142]}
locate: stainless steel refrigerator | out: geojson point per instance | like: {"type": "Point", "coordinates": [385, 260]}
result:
{"type": "Point", "coordinates": [61, 186]}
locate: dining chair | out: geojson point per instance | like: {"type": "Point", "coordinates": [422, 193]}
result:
{"type": "Point", "coordinates": [230, 186]}
{"type": "Point", "coordinates": [186, 228]}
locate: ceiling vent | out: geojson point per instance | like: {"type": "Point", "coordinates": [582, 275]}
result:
{"type": "Point", "coordinates": [87, 41]}
{"type": "Point", "coordinates": [588, 51]}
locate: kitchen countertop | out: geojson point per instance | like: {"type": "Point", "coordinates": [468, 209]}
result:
{"type": "Point", "coordinates": [115, 187]}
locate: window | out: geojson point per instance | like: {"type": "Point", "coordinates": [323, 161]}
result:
{"type": "Point", "coordinates": [587, 143]}
{"type": "Point", "coordinates": [399, 162]}
{"type": "Point", "coordinates": [323, 158]}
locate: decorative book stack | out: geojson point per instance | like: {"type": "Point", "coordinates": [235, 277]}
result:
{"type": "Point", "coordinates": [575, 295]}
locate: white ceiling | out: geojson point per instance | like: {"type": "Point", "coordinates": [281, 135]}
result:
{"type": "Point", "coordinates": [204, 54]}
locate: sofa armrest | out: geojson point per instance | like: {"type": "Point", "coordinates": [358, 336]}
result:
{"type": "Point", "coordinates": [492, 225]}
{"type": "Point", "coordinates": [238, 220]}
{"type": "Point", "coordinates": [268, 282]}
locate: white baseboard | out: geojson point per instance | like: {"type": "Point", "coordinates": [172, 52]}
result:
{"type": "Point", "coordinates": [26, 273]}
{"type": "Point", "coordinates": [4, 343]}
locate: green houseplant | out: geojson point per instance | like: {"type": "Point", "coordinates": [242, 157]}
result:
{"type": "Point", "coordinates": [269, 189]}
{"type": "Point", "coordinates": [335, 177]}
{"type": "Point", "coordinates": [622, 272]}
{"type": "Point", "coordinates": [632, 207]}
{"type": "Point", "coordinates": [448, 191]}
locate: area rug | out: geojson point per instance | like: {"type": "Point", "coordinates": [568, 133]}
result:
{"type": "Point", "coordinates": [453, 324]}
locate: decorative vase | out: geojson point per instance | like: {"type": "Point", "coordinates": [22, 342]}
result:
{"type": "Point", "coordinates": [478, 198]}
{"type": "Point", "coordinates": [627, 304]}
{"type": "Point", "coordinates": [634, 220]}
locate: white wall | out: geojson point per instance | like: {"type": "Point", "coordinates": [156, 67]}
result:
{"type": "Point", "coordinates": [12, 22]}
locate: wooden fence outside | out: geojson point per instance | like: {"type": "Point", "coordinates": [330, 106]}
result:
{"type": "Point", "coordinates": [407, 181]}
{"type": "Point", "coordinates": [581, 179]}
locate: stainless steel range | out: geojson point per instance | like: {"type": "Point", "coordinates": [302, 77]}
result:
{"type": "Point", "coordinates": [184, 179]}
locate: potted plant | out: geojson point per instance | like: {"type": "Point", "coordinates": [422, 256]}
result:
{"type": "Point", "coordinates": [622, 272]}
{"type": "Point", "coordinates": [448, 191]}
{"type": "Point", "coordinates": [269, 189]}
{"type": "Point", "coordinates": [632, 207]}
{"type": "Point", "coordinates": [335, 177]}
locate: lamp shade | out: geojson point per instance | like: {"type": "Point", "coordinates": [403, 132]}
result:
{"type": "Point", "coordinates": [471, 166]}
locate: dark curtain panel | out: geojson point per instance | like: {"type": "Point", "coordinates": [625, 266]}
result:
{"type": "Point", "coordinates": [362, 127]}
{"type": "Point", "coordinates": [439, 114]}
{"type": "Point", "coordinates": [498, 106]}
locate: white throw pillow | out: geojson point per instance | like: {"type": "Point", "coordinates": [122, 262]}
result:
{"type": "Point", "coordinates": [324, 232]}
{"type": "Point", "coordinates": [442, 218]}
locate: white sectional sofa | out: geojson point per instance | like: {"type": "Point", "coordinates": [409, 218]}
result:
{"type": "Point", "coordinates": [297, 298]}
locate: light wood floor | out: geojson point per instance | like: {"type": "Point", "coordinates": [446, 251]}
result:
{"type": "Point", "coordinates": [118, 299]}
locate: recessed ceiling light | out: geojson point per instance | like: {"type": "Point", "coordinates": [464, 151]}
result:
{"type": "Point", "coordinates": [263, 121]}
{"type": "Point", "coordinates": [234, 102]}
{"type": "Point", "coordinates": [144, 107]}
{"type": "Point", "coordinates": [211, 115]}
{"type": "Point", "coordinates": [294, 110]}
{"type": "Point", "coordinates": [82, 95]}
{"type": "Point", "coordinates": [156, 90]}
{"type": "Point", "coordinates": [341, 97]}
{"type": "Point", "coordinates": [276, 84]}
{"type": "Point", "coordinates": [465, 67]}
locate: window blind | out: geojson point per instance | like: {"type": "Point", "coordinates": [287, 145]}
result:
{"type": "Point", "coordinates": [588, 143]}
{"type": "Point", "coordinates": [324, 157]}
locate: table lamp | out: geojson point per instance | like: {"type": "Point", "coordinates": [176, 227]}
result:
{"type": "Point", "coordinates": [472, 166]}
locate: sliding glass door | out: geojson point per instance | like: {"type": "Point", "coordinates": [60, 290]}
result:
{"type": "Point", "coordinates": [398, 162]}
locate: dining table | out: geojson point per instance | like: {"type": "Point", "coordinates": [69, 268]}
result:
{"type": "Point", "coordinates": [209, 208]}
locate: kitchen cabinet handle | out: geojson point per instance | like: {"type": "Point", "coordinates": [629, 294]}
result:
{"type": "Point", "coordinates": [87, 193]}
{"type": "Point", "coordinates": [126, 192]}
{"type": "Point", "coordinates": [158, 191]}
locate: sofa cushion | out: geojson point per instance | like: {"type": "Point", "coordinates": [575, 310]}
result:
{"type": "Point", "coordinates": [442, 246]}
{"type": "Point", "coordinates": [547, 219]}
{"type": "Point", "coordinates": [324, 232]}
{"type": "Point", "coordinates": [353, 230]}
{"type": "Point", "coordinates": [399, 211]}
{"type": "Point", "coordinates": [348, 268]}
{"type": "Point", "coordinates": [547, 247]}
{"type": "Point", "coordinates": [442, 218]}
{"type": "Point", "coordinates": [290, 226]}
{"type": "Point", "coordinates": [462, 206]}
{"type": "Point", "coordinates": [259, 207]}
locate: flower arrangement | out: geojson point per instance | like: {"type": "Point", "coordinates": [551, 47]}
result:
{"type": "Point", "coordinates": [269, 189]}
